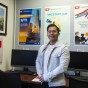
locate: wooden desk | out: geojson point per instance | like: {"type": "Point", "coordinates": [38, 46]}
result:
{"type": "Point", "coordinates": [28, 83]}
{"type": "Point", "coordinates": [28, 79]}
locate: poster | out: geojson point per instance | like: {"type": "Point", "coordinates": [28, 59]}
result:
{"type": "Point", "coordinates": [3, 19]}
{"type": "Point", "coordinates": [81, 24]}
{"type": "Point", "coordinates": [1, 51]}
{"type": "Point", "coordinates": [30, 26]}
{"type": "Point", "coordinates": [59, 15]}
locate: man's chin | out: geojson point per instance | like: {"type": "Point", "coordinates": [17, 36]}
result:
{"type": "Point", "coordinates": [51, 39]}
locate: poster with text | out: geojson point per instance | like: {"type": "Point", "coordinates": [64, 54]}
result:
{"type": "Point", "coordinates": [30, 26]}
{"type": "Point", "coordinates": [81, 24]}
{"type": "Point", "coordinates": [60, 16]}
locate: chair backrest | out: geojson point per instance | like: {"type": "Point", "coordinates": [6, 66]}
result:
{"type": "Point", "coordinates": [75, 83]}
{"type": "Point", "coordinates": [10, 80]}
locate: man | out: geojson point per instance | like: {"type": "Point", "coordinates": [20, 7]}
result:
{"type": "Point", "coordinates": [52, 60]}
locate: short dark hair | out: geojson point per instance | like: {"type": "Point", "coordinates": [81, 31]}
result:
{"type": "Point", "coordinates": [53, 25]}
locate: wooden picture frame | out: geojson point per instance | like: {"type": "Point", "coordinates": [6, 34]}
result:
{"type": "Point", "coordinates": [3, 19]}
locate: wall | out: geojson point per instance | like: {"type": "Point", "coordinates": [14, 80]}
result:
{"type": "Point", "coordinates": [8, 39]}
{"type": "Point", "coordinates": [20, 4]}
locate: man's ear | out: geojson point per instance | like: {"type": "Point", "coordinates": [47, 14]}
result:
{"type": "Point", "coordinates": [58, 34]}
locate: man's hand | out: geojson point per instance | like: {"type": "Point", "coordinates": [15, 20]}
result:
{"type": "Point", "coordinates": [41, 78]}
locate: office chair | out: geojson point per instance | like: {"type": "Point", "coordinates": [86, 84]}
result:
{"type": "Point", "coordinates": [75, 83]}
{"type": "Point", "coordinates": [10, 80]}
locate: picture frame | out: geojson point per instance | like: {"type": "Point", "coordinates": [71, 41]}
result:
{"type": "Point", "coordinates": [3, 19]}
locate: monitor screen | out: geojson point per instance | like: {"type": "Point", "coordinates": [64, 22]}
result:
{"type": "Point", "coordinates": [23, 57]}
{"type": "Point", "coordinates": [78, 60]}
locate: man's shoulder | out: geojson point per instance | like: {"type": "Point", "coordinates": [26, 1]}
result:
{"type": "Point", "coordinates": [59, 44]}
{"type": "Point", "coordinates": [43, 46]}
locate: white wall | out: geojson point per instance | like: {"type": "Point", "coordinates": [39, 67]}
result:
{"type": "Point", "coordinates": [8, 39]}
{"type": "Point", "coordinates": [21, 4]}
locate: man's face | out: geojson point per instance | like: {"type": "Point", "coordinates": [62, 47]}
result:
{"type": "Point", "coordinates": [52, 34]}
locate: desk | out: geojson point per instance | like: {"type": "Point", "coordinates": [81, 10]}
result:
{"type": "Point", "coordinates": [28, 79]}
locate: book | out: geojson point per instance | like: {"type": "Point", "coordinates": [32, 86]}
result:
{"type": "Point", "coordinates": [36, 79]}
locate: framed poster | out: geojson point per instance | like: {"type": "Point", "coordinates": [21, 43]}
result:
{"type": "Point", "coordinates": [60, 16]}
{"type": "Point", "coordinates": [30, 26]}
{"type": "Point", "coordinates": [81, 24]}
{"type": "Point", "coordinates": [1, 50]}
{"type": "Point", "coordinates": [3, 19]}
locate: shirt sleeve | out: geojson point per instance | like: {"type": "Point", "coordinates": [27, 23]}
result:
{"type": "Point", "coordinates": [39, 62]}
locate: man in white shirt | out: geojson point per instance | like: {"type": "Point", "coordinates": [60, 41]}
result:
{"type": "Point", "coordinates": [52, 60]}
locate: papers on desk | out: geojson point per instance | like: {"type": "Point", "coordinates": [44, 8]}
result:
{"type": "Point", "coordinates": [36, 79]}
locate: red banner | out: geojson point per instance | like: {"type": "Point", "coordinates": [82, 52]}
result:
{"type": "Point", "coordinates": [0, 44]}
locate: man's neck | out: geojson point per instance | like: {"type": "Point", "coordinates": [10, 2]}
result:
{"type": "Point", "coordinates": [52, 42]}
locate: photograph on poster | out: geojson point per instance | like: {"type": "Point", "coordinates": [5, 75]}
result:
{"type": "Point", "coordinates": [81, 24]}
{"type": "Point", "coordinates": [30, 26]}
{"type": "Point", "coordinates": [3, 19]}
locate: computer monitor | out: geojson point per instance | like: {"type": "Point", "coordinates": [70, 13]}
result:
{"type": "Point", "coordinates": [23, 58]}
{"type": "Point", "coordinates": [78, 60]}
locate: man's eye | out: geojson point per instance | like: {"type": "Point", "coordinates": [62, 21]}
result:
{"type": "Point", "coordinates": [52, 31]}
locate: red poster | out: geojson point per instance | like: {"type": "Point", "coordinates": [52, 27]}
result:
{"type": "Point", "coordinates": [1, 51]}
{"type": "Point", "coordinates": [0, 44]}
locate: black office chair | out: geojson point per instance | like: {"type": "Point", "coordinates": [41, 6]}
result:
{"type": "Point", "coordinates": [76, 83]}
{"type": "Point", "coordinates": [10, 80]}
